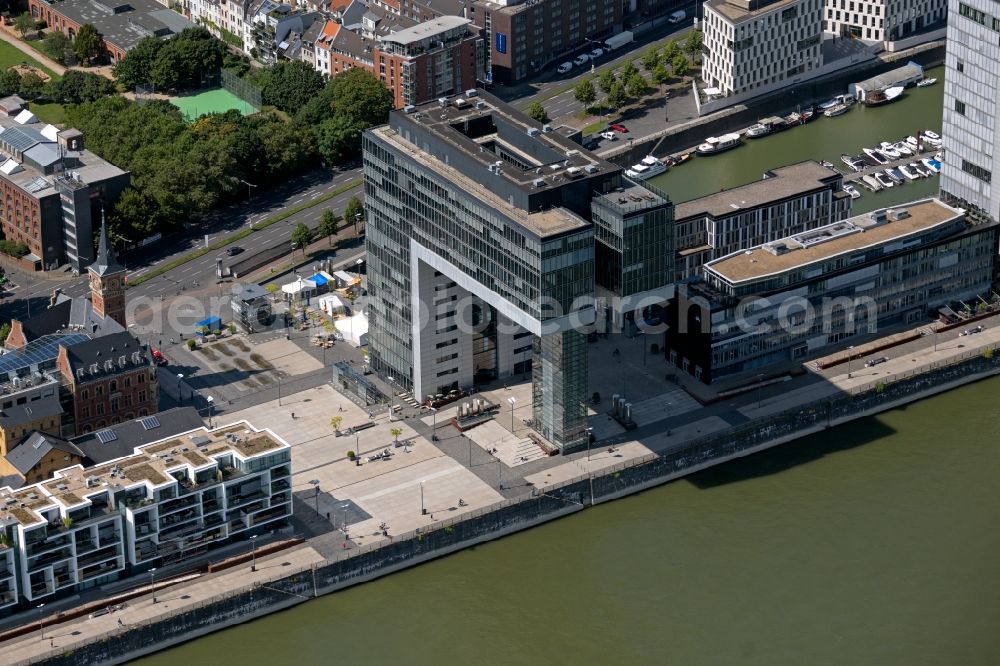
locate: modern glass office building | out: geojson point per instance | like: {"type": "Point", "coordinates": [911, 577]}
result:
{"type": "Point", "coordinates": [484, 228]}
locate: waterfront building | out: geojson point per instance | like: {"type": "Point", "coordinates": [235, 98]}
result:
{"type": "Point", "coordinates": [816, 291]}
{"type": "Point", "coordinates": [970, 128]}
{"type": "Point", "coordinates": [17, 421]}
{"type": "Point", "coordinates": [883, 20]}
{"type": "Point", "coordinates": [760, 46]}
{"type": "Point", "coordinates": [52, 187]}
{"type": "Point", "coordinates": [169, 499]}
{"type": "Point", "coordinates": [787, 200]}
{"type": "Point", "coordinates": [489, 239]}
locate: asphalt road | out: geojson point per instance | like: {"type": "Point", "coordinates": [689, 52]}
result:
{"type": "Point", "coordinates": [304, 188]}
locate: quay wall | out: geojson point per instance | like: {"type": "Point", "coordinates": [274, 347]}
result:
{"type": "Point", "coordinates": [509, 516]}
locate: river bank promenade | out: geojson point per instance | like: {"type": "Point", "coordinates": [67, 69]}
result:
{"type": "Point", "coordinates": [344, 508]}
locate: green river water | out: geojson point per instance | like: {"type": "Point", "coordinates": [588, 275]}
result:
{"type": "Point", "coordinates": [872, 543]}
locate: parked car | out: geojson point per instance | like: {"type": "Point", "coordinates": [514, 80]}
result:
{"type": "Point", "coordinates": [972, 331]}
{"type": "Point", "coordinates": [618, 128]}
{"type": "Point", "coordinates": [596, 53]}
{"type": "Point", "coordinates": [564, 68]}
{"type": "Point", "coordinates": [610, 136]}
{"type": "Point", "coordinates": [234, 249]}
{"type": "Point", "coordinates": [875, 361]}
{"type": "Point", "coordinates": [581, 59]}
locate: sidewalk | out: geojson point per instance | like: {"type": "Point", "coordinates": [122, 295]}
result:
{"type": "Point", "coordinates": [10, 35]}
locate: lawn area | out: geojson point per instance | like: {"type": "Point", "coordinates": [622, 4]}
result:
{"type": "Point", "coordinates": [52, 113]}
{"type": "Point", "coordinates": [10, 56]}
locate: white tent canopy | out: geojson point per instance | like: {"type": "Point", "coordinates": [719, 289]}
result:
{"type": "Point", "coordinates": [299, 286]}
{"type": "Point", "coordinates": [354, 329]}
{"type": "Point", "coordinates": [332, 304]}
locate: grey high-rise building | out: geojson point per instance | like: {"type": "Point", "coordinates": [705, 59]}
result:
{"type": "Point", "coordinates": [970, 132]}
{"type": "Point", "coordinates": [494, 244]}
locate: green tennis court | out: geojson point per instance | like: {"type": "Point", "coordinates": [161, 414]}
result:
{"type": "Point", "coordinates": [216, 100]}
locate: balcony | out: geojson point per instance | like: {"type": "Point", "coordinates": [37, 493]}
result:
{"type": "Point", "coordinates": [270, 514]}
{"type": "Point", "coordinates": [97, 556]}
{"type": "Point", "coordinates": [177, 504]}
{"type": "Point", "coordinates": [177, 518]}
{"type": "Point", "coordinates": [45, 560]}
{"type": "Point", "coordinates": [85, 546]}
{"type": "Point", "coordinates": [245, 498]}
{"type": "Point", "coordinates": [99, 570]}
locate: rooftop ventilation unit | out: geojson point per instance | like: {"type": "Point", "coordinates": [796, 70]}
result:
{"type": "Point", "coordinates": [538, 182]}
{"type": "Point", "coordinates": [574, 172]}
{"type": "Point", "coordinates": [409, 108]}
{"type": "Point", "coordinates": [480, 104]}
{"type": "Point", "coordinates": [896, 214]}
{"type": "Point", "coordinates": [572, 153]}
{"type": "Point", "coordinates": [472, 92]}
{"type": "Point", "coordinates": [461, 103]}
{"type": "Point", "coordinates": [443, 101]}
{"type": "Point", "coordinates": [592, 168]}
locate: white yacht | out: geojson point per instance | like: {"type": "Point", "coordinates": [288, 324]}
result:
{"type": "Point", "coordinates": [853, 191]}
{"type": "Point", "coordinates": [887, 149]}
{"type": "Point", "coordinates": [903, 148]}
{"type": "Point", "coordinates": [647, 168]}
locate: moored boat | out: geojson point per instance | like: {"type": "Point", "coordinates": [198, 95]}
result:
{"type": "Point", "coordinates": [883, 179]}
{"type": "Point", "coordinates": [920, 169]}
{"type": "Point", "coordinates": [880, 97]}
{"type": "Point", "coordinates": [828, 165]}
{"type": "Point", "coordinates": [853, 191]}
{"type": "Point", "coordinates": [933, 165]}
{"type": "Point", "coordinates": [875, 155]}
{"type": "Point", "coordinates": [895, 174]}
{"type": "Point", "coordinates": [717, 144]}
{"type": "Point", "coordinates": [872, 183]}
{"type": "Point", "coordinates": [886, 149]}
{"type": "Point", "coordinates": [912, 142]}
{"type": "Point", "coordinates": [909, 172]}
{"type": "Point", "coordinates": [836, 110]}
{"type": "Point", "coordinates": [903, 148]}
{"type": "Point", "coordinates": [758, 130]}
{"type": "Point", "coordinates": [647, 168]}
{"type": "Point", "coordinates": [923, 83]}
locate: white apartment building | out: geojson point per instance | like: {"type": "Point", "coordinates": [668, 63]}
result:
{"type": "Point", "coordinates": [881, 20]}
{"type": "Point", "coordinates": [751, 45]}
{"type": "Point", "coordinates": [970, 130]}
{"type": "Point", "coordinates": [170, 499]}
{"type": "Point", "coordinates": [221, 15]}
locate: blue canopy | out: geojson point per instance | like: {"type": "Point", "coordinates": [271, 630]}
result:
{"type": "Point", "coordinates": [319, 280]}
{"type": "Point", "coordinates": [210, 323]}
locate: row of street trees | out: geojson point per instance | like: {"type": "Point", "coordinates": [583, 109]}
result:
{"type": "Point", "coordinates": [329, 224]}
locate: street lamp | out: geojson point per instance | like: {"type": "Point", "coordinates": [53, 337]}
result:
{"type": "Point", "coordinates": [211, 402]}
{"type": "Point", "coordinates": [152, 589]}
{"type": "Point", "coordinates": [434, 436]}
{"type": "Point", "coordinates": [345, 506]}
{"type": "Point", "coordinates": [512, 400]}
{"type": "Point", "coordinates": [357, 218]}
{"type": "Point", "coordinates": [315, 484]}
{"type": "Point", "coordinates": [423, 510]}
{"type": "Point", "coordinates": [250, 213]}
{"type": "Point", "coordinates": [253, 552]}
{"type": "Point", "coordinates": [180, 393]}
{"type": "Point", "coordinates": [41, 627]}
{"type": "Point", "coordinates": [589, 432]}
{"type": "Point", "coordinates": [850, 358]}
{"type": "Point", "coordinates": [392, 398]}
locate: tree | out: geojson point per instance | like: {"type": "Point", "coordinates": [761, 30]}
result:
{"type": "Point", "coordinates": [635, 85]}
{"type": "Point", "coordinates": [31, 85]}
{"type": "Point", "coordinates": [628, 70]}
{"type": "Point", "coordinates": [359, 95]}
{"type": "Point", "coordinates": [24, 24]}
{"type": "Point", "coordinates": [395, 432]}
{"type": "Point", "coordinates": [680, 65]}
{"type": "Point", "coordinates": [616, 96]}
{"type": "Point", "coordinates": [585, 93]}
{"type": "Point", "coordinates": [78, 87]}
{"type": "Point", "coordinates": [661, 74]}
{"type": "Point", "coordinates": [10, 82]}
{"type": "Point", "coordinates": [606, 80]}
{"type": "Point", "coordinates": [4, 331]}
{"type": "Point", "coordinates": [87, 45]}
{"type": "Point", "coordinates": [670, 51]}
{"type": "Point", "coordinates": [291, 85]}
{"type": "Point", "coordinates": [651, 59]}
{"type": "Point", "coordinates": [536, 111]}
{"type": "Point", "coordinates": [134, 69]}
{"type": "Point", "coordinates": [56, 45]}
{"type": "Point", "coordinates": [328, 225]}
{"type": "Point", "coordinates": [693, 42]}
{"type": "Point", "coordinates": [335, 422]}
{"type": "Point", "coordinates": [272, 289]}
{"type": "Point", "coordinates": [354, 211]}
{"type": "Point", "coordinates": [338, 139]}
{"type": "Point", "coordinates": [302, 236]}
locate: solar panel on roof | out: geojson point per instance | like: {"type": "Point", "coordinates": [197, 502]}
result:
{"type": "Point", "coordinates": [37, 185]}
{"type": "Point", "coordinates": [105, 436]}
{"type": "Point", "coordinates": [150, 422]}
{"type": "Point", "coordinates": [42, 351]}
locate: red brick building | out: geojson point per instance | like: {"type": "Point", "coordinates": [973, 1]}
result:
{"type": "Point", "coordinates": [109, 380]}
{"type": "Point", "coordinates": [436, 58]}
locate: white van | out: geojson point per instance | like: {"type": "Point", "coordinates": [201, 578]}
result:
{"type": "Point", "coordinates": [581, 59]}
{"type": "Point", "coordinates": [564, 68]}
{"type": "Point", "coordinates": [677, 16]}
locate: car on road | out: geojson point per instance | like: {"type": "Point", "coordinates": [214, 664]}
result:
{"type": "Point", "coordinates": [233, 250]}
{"type": "Point", "coordinates": [618, 128]}
{"type": "Point", "coordinates": [875, 361]}
{"type": "Point", "coordinates": [610, 136]}
{"type": "Point", "coordinates": [973, 331]}
{"type": "Point", "coordinates": [581, 59]}
{"type": "Point", "coordinates": [564, 68]}
{"type": "Point", "coordinates": [596, 53]}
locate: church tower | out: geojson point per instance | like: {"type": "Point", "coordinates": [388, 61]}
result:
{"type": "Point", "coordinates": [107, 281]}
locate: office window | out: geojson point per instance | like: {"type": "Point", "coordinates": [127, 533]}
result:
{"type": "Point", "coordinates": [960, 107]}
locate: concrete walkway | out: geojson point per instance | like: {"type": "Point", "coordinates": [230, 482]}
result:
{"type": "Point", "coordinates": [10, 35]}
